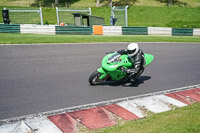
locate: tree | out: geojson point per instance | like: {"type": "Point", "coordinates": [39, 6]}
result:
{"type": "Point", "coordinates": [173, 2]}
{"type": "Point", "coordinates": [98, 3]}
{"type": "Point", "coordinates": [56, 2]}
{"type": "Point", "coordinates": [49, 3]}
{"type": "Point", "coordinates": [126, 2]}
{"type": "Point", "coordinates": [116, 3]}
{"type": "Point", "coordinates": [104, 2]}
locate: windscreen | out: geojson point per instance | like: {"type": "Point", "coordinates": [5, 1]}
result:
{"type": "Point", "coordinates": [114, 58]}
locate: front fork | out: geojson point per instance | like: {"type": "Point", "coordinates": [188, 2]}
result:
{"type": "Point", "coordinates": [104, 74]}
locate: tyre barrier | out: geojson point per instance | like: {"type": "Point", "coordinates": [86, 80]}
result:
{"type": "Point", "coordinates": [7, 28]}
{"type": "Point", "coordinates": [97, 30]}
{"type": "Point", "coordinates": [37, 29]}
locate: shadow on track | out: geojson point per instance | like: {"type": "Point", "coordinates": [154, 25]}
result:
{"type": "Point", "coordinates": [125, 83]}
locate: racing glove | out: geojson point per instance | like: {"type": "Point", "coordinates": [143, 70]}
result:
{"type": "Point", "coordinates": [128, 71]}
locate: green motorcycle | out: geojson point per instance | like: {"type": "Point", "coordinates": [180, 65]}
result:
{"type": "Point", "coordinates": [112, 68]}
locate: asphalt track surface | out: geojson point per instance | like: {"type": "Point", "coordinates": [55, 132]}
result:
{"type": "Point", "coordinates": [39, 78]}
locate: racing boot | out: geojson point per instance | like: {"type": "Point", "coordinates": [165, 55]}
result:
{"type": "Point", "coordinates": [132, 77]}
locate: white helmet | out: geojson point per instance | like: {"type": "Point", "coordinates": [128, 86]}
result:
{"type": "Point", "coordinates": [132, 49]}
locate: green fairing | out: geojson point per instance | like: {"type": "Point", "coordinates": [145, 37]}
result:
{"type": "Point", "coordinates": [103, 73]}
{"type": "Point", "coordinates": [148, 58]}
{"type": "Point", "coordinates": [113, 69]}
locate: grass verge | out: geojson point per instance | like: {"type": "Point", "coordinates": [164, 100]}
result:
{"type": "Point", "coordinates": [177, 17]}
{"type": "Point", "coordinates": [92, 3]}
{"type": "Point", "coordinates": [10, 38]}
{"type": "Point", "coordinates": [181, 120]}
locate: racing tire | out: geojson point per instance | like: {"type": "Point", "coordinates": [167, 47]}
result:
{"type": "Point", "coordinates": [94, 78]}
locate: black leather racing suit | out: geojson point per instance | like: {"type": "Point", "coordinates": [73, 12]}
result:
{"type": "Point", "coordinates": [138, 63]}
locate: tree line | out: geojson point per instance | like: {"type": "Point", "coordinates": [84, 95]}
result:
{"type": "Point", "coordinates": [100, 3]}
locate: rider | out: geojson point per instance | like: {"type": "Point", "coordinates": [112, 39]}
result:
{"type": "Point", "coordinates": [137, 57]}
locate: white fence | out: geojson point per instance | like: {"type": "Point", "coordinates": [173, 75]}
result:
{"type": "Point", "coordinates": [121, 13]}
{"type": "Point", "coordinates": [26, 16]}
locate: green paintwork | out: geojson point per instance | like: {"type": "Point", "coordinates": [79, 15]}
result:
{"type": "Point", "coordinates": [9, 28]}
{"type": "Point", "coordinates": [73, 30]}
{"type": "Point", "coordinates": [102, 72]}
{"type": "Point", "coordinates": [182, 32]}
{"type": "Point", "coordinates": [148, 59]}
{"type": "Point", "coordinates": [113, 69]}
{"type": "Point", "coordinates": [134, 30]}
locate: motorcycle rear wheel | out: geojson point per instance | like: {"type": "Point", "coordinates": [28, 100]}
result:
{"type": "Point", "coordinates": [94, 78]}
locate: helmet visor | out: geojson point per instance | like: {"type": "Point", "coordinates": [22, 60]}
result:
{"type": "Point", "coordinates": [131, 51]}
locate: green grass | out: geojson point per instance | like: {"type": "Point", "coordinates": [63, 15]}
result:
{"type": "Point", "coordinates": [182, 120]}
{"type": "Point", "coordinates": [9, 38]}
{"type": "Point", "coordinates": [177, 17]}
{"type": "Point", "coordinates": [92, 3]}
{"type": "Point", "coordinates": [22, 3]}
{"type": "Point", "coordinates": [49, 15]}
{"type": "Point", "coordinates": [84, 3]}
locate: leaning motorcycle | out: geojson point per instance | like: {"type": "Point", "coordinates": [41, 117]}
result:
{"type": "Point", "coordinates": [113, 66]}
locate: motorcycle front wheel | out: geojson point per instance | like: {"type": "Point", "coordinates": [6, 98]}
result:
{"type": "Point", "coordinates": [94, 78]}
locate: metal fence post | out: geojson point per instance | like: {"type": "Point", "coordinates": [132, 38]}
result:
{"type": "Point", "coordinates": [126, 15]}
{"type": "Point", "coordinates": [113, 11]}
{"type": "Point", "coordinates": [57, 16]}
{"type": "Point", "coordinates": [41, 18]}
{"type": "Point", "coordinates": [90, 11]}
{"type": "Point", "coordinates": [120, 9]}
{"type": "Point", "coordinates": [38, 11]}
